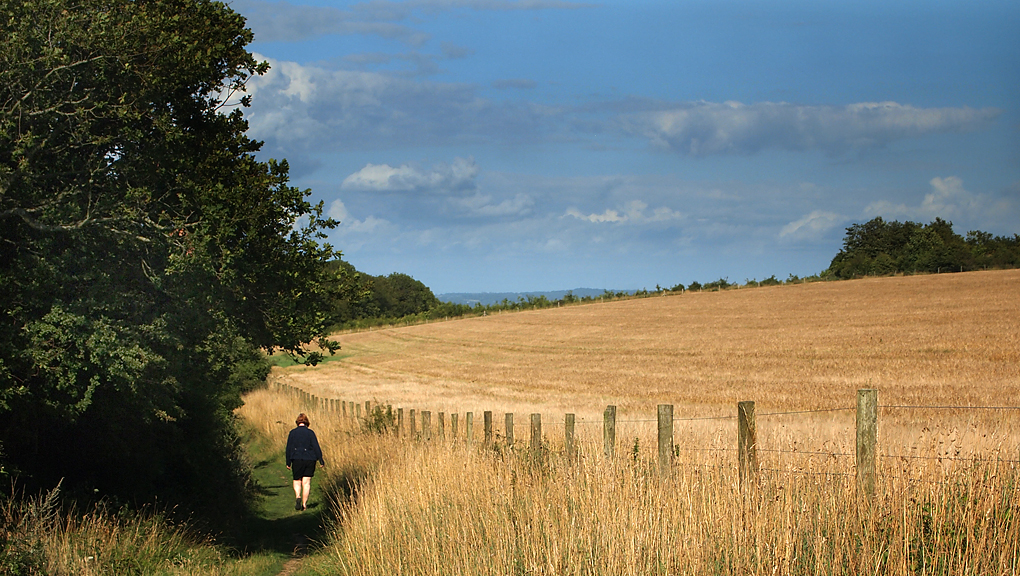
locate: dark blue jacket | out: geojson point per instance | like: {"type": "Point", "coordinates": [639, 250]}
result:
{"type": "Point", "coordinates": [303, 445]}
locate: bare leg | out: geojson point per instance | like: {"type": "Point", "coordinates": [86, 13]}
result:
{"type": "Point", "coordinates": [306, 483]}
{"type": "Point", "coordinates": [297, 488]}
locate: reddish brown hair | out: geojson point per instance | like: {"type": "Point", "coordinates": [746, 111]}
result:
{"type": "Point", "coordinates": [301, 419]}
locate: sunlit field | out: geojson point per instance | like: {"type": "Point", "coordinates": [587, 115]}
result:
{"type": "Point", "coordinates": [933, 346]}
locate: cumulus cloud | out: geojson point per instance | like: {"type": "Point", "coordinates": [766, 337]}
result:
{"type": "Point", "coordinates": [812, 226]}
{"type": "Point", "coordinates": [350, 225]}
{"type": "Point", "coordinates": [704, 128]}
{"type": "Point", "coordinates": [948, 199]}
{"type": "Point", "coordinates": [633, 212]}
{"type": "Point", "coordinates": [300, 108]}
{"type": "Point", "coordinates": [458, 176]}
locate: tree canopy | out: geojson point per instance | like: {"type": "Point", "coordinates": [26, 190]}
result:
{"type": "Point", "coordinates": [380, 297]}
{"type": "Point", "coordinates": [879, 247]}
{"type": "Point", "coordinates": [146, 254]}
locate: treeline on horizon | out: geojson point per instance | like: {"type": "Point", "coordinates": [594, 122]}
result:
{"type": "Point", "coordinates": [875, 248]}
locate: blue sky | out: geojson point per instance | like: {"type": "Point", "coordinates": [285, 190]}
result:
{"type": "Point", "coordinates": [494, 145]}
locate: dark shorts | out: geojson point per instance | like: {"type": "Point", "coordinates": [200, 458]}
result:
{"type": "Point", "coordinates": [302, 468]}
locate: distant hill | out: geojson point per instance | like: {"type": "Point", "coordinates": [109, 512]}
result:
{"type": "Point", "coordinates": [487, 298]}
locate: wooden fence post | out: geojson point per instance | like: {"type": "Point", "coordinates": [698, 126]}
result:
{"type": "Point", "coordinates": [350, 409]}
{"type": "Point", "coordinates": [469, 427]}
{"type": "Point", "coordinates": [441, 426]}
{"type": "Point", "coordinates": [867, 439]}
{"type": "Point", "coordinates": [400, 422]}
{"type": "Point", "coordinates": [609, 432]}
{"type": "Point", "coordinates": [509, 431]}
{"type": "Point", "coordinates": [665, 417]}
{"type": "Point", "coordinates": [536, 433]}
{"type": "Point", "coordinates": [487, 426]}
{"type": "Point", "coordinates": [368, 409]}
{"type": "Point", "coordinates": [747, 443]}
{"type": "Point", "coordinates": [411, 422]}
{"type": "Point", "coordinates": [426, 425]}
{"type": "Point", "coordinates": [568, 436]}
{"type": "Point", "coordinates": [358, 410]}
{"type": "Point", "coordinates": [453, 426]}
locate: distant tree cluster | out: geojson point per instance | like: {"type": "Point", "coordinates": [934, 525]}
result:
{"type": "Point", "coordinates": [878, 247]}
{"type": "Point", "coordinates": [382, 298]}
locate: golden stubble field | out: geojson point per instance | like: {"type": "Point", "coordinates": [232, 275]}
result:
{"type": "Point", "coordinates": [944, 339]}
{"type": "Point", "coordinates": [945, 501]}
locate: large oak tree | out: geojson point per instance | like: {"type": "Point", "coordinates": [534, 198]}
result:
{"type": "Point", "coordinates": [146, 254]}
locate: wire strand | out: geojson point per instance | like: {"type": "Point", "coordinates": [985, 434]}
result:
{"type": "Point", "coordinates": [940, 458]}
{"type": "Point", "coordinates": [806, 452]}
{"type": "Point", "coordinates": [804, 411]}
{"type": "Point", "coordinates": [922, 407]}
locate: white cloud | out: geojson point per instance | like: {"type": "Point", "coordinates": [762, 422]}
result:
{"type": "Point", "coordinates": [607, 216]}
{"type": "Point", "coordinates": [703, 128]}
{"type": "Point", "coordinates": [632, 212]}
{"type": "Point", "coordinates": [812, 226]}
{"type": "Point", "coordinates": [483, 205]}
{"type": "Point", "coordinates": [948, 196]}
{"type": "Point", "coordinates": [948, 200]}
{"type": "Point", "coordinates": [458, 176]}
{"type": "Point", "coordinates": [351, 225]}
{"type": "Point", "coordinates": [299, 108]}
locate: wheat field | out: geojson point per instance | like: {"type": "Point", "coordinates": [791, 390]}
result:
{"type": "Point", "coordinates": [947, 477]}
{"type": "Point", "coordinates": [800, 347]}
{"type": "Point", "coordinates": [951, 339]}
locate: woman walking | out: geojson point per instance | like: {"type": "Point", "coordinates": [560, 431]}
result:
{"type": "Point", "coordinates": [302, 452]}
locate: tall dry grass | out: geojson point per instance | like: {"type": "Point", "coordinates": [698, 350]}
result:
{"type": "Point", "coordinates": [410, 507]}
{"type": "Point", "coordinates": [39, 537]}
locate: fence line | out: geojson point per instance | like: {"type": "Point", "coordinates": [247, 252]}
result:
{"type": "Point", "coordinates": [747, 449]}
{"type": "Point", "coordinates": [950, 407]}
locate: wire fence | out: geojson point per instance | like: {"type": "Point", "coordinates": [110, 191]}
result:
{"type": "Point", "coordinates": [863, 466]}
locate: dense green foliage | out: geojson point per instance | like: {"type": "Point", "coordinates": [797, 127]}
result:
{"type": "Point", "coordinates": [878, 247]}
{"type": "Point", "coordinates": [146, 256]}
{"type": "Point", "coordinates": [382, 298]}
